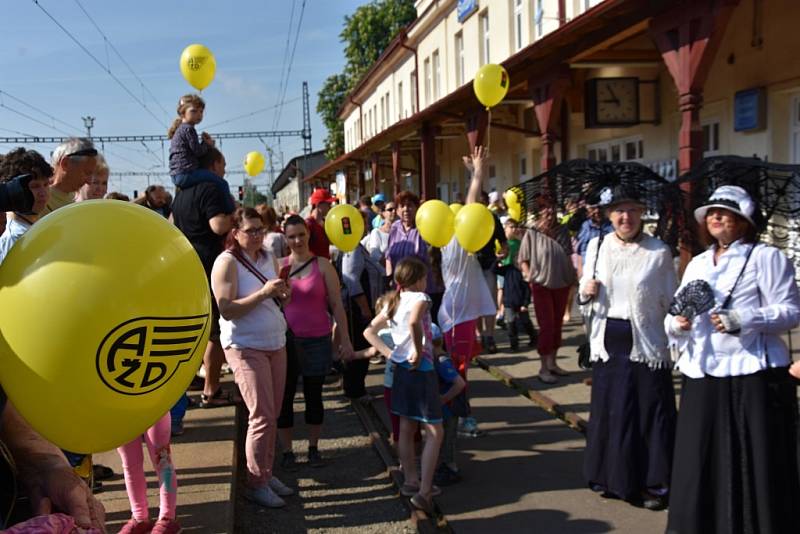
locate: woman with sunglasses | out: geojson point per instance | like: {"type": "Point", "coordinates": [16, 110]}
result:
{"type": "Point", "coordinates": [378, 239]}
{"type": "Point", "coordinates": [248, 291]}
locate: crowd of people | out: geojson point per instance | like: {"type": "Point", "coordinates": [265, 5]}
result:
{"type": "Point", "coordinates": [288, 308]}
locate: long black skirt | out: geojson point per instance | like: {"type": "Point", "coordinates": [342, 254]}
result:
{"type": "Point", "coordinates": [631, 432]}
{"type": "Point", "coordinates": [736, 456]}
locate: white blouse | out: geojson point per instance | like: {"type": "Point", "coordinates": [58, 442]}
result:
{"type": "Point", "coordinates": [766, 300]}
{"type": "Point", "coordinates": [637, 281]}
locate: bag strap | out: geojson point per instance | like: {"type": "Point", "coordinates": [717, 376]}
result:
{"type": "Point", "coordinates": [306, 264]}
{"type": "Point", "coordinates": [594, 270]}
{"type": "Point", "coordinates": [726, 304]}
{"type": "Point", "coordinates": [249, 266]}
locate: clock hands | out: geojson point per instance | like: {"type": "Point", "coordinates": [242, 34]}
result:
{"type": "Point", "coordinates": [613, 100]}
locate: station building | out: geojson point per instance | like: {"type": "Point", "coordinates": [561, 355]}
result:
{"type": "Point", "coordinates": [661, 82]}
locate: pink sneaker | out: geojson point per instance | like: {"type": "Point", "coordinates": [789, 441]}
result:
{"type": "Point", "coordinates": [137, 527]}
{"type": "Point", "coordinates": [166, 526]}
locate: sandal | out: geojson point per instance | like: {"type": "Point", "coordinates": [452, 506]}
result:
{"type": "Point", "coordinates": [217, 400]}
{"type": "Point", "coordinates": [407, 490]}
{"type": "Point", "coordinates": [421, 503]}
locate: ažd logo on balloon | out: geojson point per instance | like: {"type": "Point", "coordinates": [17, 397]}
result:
{"type": "Point", "coordinates": [141, 355]}
{"type": "Point", "coordinates": [196, 63]}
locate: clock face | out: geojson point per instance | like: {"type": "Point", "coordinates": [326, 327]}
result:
{"type": "Point", "coordinates": [616, 101]}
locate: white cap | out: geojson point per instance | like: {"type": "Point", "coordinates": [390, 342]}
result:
{"type": "Point", "coordinates": [494, 196]}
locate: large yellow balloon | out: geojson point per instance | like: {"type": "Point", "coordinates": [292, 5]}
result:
{"type": "Point", "coordinates": [435, 222]}
{"type": "Point", "coordinates": [198, 66]}
{"type": "Point", "coordinates": [344, 226]}
{"type": "Point", "coordinates": [455, 206]}
{"type": "Point", "coordinates": [491, 84]}
{"type": "Point", "coordinates": [474, 226]}
{"type": "Point", "coordinates": [254, 163]}
{"type": "Point", "coordinates": [105, 313]}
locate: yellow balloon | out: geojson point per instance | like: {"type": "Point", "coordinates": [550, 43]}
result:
{"type": "Point", "coordinates": [344, 226]}
{"type": "Point", "coordinates": [491, 84]}
{"type": "Point", "coordinates": [254, 163]}
{"type": "Point", "coordinates": [474, 226]}
{"type": "Point", "coordinates": [435, 222]}
{"type": "Point", "coordinates": [105, 317]}
{"type": "Point", "coordinates": [513, 203]}
{"type": "Point", "coordinates": [198, 66]}
{"type": "Point", "coordinates": [455, 206]}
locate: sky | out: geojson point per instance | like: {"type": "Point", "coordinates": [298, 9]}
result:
{"type": "Point", "coordinates": [48, 82]}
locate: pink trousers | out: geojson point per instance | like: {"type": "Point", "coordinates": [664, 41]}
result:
{"type": "Point", "coordinates": [157, 441]}
{"type": "Point", "coordinates": [261, 377]}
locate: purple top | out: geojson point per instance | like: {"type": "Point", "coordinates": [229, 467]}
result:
{"type": "Point", "coordinates": [404, 243]}
{"type": "Point", "coordinates": [185, 150]}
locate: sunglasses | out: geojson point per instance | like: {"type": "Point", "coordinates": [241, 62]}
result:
{"type": "Point", "coordinates": [84, 152]}
{"type": "Point", "coordinates": [388, 209]}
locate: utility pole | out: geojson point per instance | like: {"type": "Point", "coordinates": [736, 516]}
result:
{"type": "Point", "coordinates": [88, 122]}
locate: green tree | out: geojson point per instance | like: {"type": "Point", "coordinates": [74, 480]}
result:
{"type": "Point", "coordinates": [366, 34]}
{"type": "Point", "coordinates": [330, 99]}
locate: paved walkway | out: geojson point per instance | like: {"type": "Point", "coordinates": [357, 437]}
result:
{"type": "Point", "coordinates": [203, 458]}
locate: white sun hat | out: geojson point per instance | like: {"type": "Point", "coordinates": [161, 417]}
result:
{"type": "Point", "coordinates": [730, 197]}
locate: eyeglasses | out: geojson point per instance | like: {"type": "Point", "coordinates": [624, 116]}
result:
{"type": "Point", "coordinates": [83, 152]}
{"type": "Point", "coordinates": [255, 232]}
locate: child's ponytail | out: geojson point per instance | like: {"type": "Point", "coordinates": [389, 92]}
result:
{"type": "Point", "coordinates": [409, 271]}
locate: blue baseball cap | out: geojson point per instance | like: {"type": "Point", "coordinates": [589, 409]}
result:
{"type": "Point", "coordinates": [378, 197]}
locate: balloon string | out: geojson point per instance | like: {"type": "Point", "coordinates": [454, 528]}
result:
{"type": "Point", "coordinates": [489, 129]}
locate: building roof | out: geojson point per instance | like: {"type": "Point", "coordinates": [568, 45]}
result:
{"type": "Point", "coordinates": [588, 30]}
{"type": "Point", "coordinates": [299, 166]}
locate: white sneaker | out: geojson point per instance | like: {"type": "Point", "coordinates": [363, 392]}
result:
{"type": "Point", "coordinates": [264, 496]}
{"type": "Point", "coordinates": [280, 488]}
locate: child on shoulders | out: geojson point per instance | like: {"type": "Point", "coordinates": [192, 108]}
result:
{"type": "Point", "coordinates": [185, 150]}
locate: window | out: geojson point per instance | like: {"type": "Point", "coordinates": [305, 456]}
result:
{"type": "Point", "coordinates": [413, 87]}
{"type": "Point", "coordinates": [375, 119]}
{"type": "Point", "coordinates": [399, 100]}
{"type": "Point", "coordinates": [426, 69]}
{"type": "Point", "coordinates": [710, 137]}
{"type": "Point", "coordinates": [484, 28]}
{"type": "Point", "coordinates": [523, 167]}
{"type": "Point", "coordinates": [388, 110]}
{"type": "Point", "coordinates": [459, 56]}
{"type": "Point", "coordinates": [437, 79]}
{"type": "Point", "coordinates": [518, 41]}
{"type": "Point", "coordinates": [628, 149]}
{"type": "Point", "coordinates": [383, 113]}
{"type": "Point", "coordinates": [538, 18]}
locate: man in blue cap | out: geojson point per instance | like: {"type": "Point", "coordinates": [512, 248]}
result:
{"type": "Point", "coordinates": [378, 205]}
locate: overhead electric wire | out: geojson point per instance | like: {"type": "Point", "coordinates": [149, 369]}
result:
{"type": "Point", "coordinates": [246, 115]}
{"type": "Point", "coordinates": [291, 61]}
{"type": "Point", "coordinates": [114, 48]}
{"type": "Point", "coordinates": [99, 63]}
{"type": "Point", "coordinates": [38, 110]}
{"type": "Point", "coordinates": [283, 62]}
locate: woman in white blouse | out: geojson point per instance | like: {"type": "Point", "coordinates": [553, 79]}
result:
{"type": "Point", "coordinates": [736, 443]}
{"type": "Point", "coordinates": [626, 288]}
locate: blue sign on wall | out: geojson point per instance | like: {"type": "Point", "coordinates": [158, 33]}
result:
{"type": "Point", "coordinates": [466, 8]}
{"type": "Point", "coordinates": [749, 110]}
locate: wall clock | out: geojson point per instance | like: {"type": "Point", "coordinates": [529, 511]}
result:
{"type": "Point", "coordinates": [612, 102]}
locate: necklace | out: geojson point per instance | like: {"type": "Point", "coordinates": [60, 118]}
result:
{"type": "Point", "coordinates": [633, 239]}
